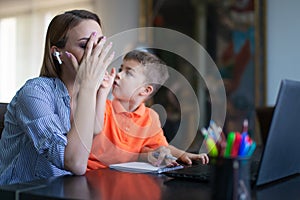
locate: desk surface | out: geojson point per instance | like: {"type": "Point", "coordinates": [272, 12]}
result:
{"type": "Point", "coordinates": [107, 184]}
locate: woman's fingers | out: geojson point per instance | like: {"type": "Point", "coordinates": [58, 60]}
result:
{"type": "Point", "coordinates": [90, 46]}
{"type": "Point", "coordinates": [70, 58]}
{"type": "Point", "coordinates": [107, 62]}
{"type": "Point", "coordinates": [101, 53]}
{"type": "Point", "coordinates": [104, 52]}
{"type": "Point", "coordinates": [95, 60]}
{"type": "Point", "coordinates": [98, 48]}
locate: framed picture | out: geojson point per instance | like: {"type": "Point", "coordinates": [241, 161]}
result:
{"type": "Point", "coordinates": [236, 42]}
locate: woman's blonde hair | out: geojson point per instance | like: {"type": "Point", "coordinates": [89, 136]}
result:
{"type": "Point", "coordinates": [57, 36]}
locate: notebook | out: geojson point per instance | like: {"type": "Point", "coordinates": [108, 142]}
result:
{"type": "Point", "coordinates": [142, 167]}
{"type": "Point", "coordinates": [280, 156]}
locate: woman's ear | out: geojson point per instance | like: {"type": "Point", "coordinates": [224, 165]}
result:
{"type": "Point", "coordinates": [56, 53]}
{"type": "Point", "coordinates": [54, 49]}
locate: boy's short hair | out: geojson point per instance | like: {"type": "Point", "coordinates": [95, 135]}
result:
{"type": "Point", "coordinates": [155, 70]}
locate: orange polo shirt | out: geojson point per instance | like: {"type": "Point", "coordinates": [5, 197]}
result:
{"type": "Point", "coordinates": [124, 134]}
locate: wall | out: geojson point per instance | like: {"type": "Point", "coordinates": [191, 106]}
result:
{"type": "Point", "coordinates": [283, 30]}
{"type": "Point", "coordinates": [22, 48]}
{"type": "Point", "coordinates": [283, 43]}
{"type": "Point", "coordinates": [118, 16]}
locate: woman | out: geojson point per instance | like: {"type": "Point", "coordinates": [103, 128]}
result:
{"type": "Point", "coordinates": [49, 125]}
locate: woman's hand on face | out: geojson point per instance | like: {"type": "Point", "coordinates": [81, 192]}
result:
{"type": "Point", "coordinates": [94, 63]}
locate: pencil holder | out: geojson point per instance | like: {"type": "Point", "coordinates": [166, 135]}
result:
{"type": "Point", "coordinates": [231, 179]}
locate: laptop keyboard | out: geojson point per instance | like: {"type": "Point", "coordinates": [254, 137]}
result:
{"type": "Point", "coordinates": [204, 173]}
{"type": "Point", "coordinates": [196, 172]}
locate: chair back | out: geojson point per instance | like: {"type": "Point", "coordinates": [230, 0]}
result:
{"type": "Point", "coordinates": [2, 112]}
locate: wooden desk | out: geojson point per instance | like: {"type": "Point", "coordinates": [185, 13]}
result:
{"type": "Point", "coordinates": [106, 184]}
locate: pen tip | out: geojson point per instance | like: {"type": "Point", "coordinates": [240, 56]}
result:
{"type": "Point", "coordinates": [245, 123]}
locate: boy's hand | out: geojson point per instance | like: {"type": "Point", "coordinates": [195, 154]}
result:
{"type": "Point", "coordinates": [107, 83]}
{"type": "Point", "coordinates": [187, 158]}
{"type": "Point", "coordinates": [161, 155]}
{"type": "Point", "coordinates": [108, 79]}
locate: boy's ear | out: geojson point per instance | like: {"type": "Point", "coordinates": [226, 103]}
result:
{"type": "Point", "coordinates": [148, 89]}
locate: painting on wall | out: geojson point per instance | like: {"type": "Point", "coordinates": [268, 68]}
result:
{"type": "Point", "coordinates": [236, 42]}
{"type": "Point", "coordinates": [233, 34]}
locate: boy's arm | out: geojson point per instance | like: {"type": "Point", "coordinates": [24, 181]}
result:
{"type": "Point", "coordinates": [102, 94]}
{"type": "Point", "coordinates": [187, 157]}
{"type": "Point", "coordinates": [144, 154]}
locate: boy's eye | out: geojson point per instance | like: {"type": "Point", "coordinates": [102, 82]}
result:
{"type": "Point", "coordinates": [127, 72]}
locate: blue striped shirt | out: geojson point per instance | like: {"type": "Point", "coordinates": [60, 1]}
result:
{"type": "Point", "coordinates": [34, 137]}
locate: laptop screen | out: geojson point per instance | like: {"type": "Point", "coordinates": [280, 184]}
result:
{"type": "Point", "coordinates": [281, 157]}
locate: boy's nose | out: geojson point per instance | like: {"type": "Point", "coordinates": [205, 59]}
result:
{"type": "Point", "coordinates": [118, 75]}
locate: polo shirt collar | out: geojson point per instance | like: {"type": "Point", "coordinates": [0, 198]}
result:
{"type": "Point", "coordinates": [118, 108]}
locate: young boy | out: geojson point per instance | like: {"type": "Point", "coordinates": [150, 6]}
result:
{"type": "Point", "coordinates": [128, 130]}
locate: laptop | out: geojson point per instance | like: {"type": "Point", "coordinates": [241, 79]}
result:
{"type": "Point", "coordinates": [280, 156]}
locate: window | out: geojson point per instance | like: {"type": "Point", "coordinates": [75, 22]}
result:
{"type": "Point", "coordinates": [7, 58]}
{"type": "Point", "coordinates": [22, 35]}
